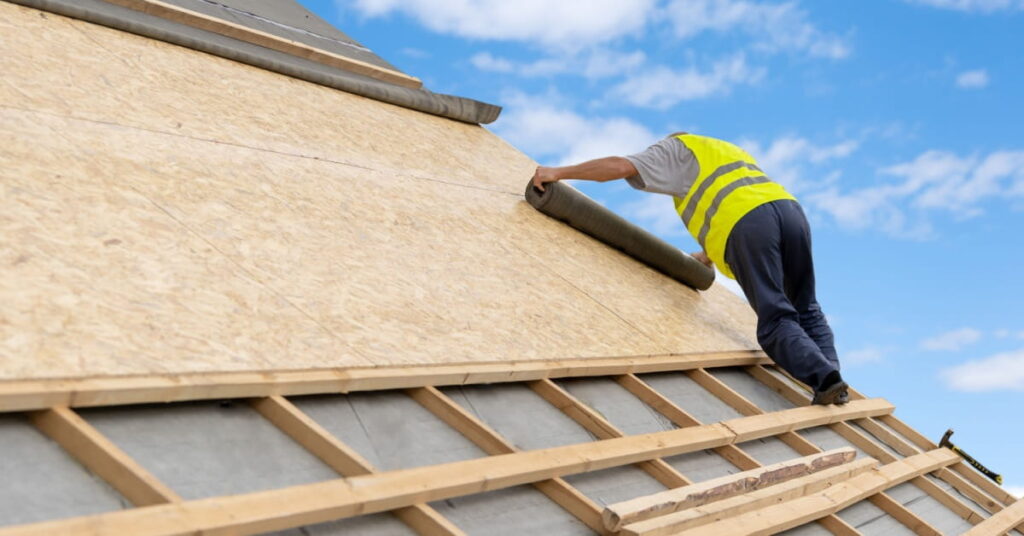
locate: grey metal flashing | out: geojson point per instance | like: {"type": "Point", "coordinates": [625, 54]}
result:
{"type": "Point", "coordinates": [567, 204]}
{"type": "Point", "coordinates": [129, 20]}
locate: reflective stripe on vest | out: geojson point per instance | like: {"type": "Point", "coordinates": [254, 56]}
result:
{"type": "Point", "coordinates": [728, 186]}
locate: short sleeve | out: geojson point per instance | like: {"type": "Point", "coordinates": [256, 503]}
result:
{"type": "Point", "coordinates": [667, 167]}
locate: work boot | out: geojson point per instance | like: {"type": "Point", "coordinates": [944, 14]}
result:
{"type": "Point", "coordinates": [837, 393]}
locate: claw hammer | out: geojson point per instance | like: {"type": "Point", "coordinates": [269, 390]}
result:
{"type": "Point", "coordinates": [974, 463]}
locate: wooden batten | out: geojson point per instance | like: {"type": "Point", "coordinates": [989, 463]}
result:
{"type": "Point", "coordinates": [111, 391]}
{"type": "Point", "coordinates": [1006, 520]}
{"type": "Point", "coordinates": [492, 443]}
{"type": "Point", "coordinates": [701, 515]}
{"type": "Point", "coordinates": [337, 499]}
{"type": "Point", "coordinates": [344, 460]}
{"type": "Point", "coordinates": [601, 428]}
{"type": "Point", "coordinates": [718, 489]}
{"type": "Point", "coordinates": [101, 456]}
{"type": "Point", "coordinates": [784, 516]}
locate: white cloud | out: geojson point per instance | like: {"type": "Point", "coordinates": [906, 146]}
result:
{"type": "Point", "coordinates": [935, 180]}
{"type": "Point", "coordinates": [787, 158]}
{"type": "Point", "coordinates": [565, 24]}
{"type": "Point", "coordinates": [594, 64]}
{"type": "Point", "coordinates": [952, 340]}
{"type": "Point", "coordinates": [862, 356]}
{"type": "Point", "coordinates": [984, 6]}
{"type": "Point", "coordinates": [976, 79]}
{"type": "Point", "coordinates": [772, 26]}
{"type": "Point", "coordinates": [1016, 491]}
{"type": "Point", "coordinates": [663, 87]}
{"type": "Point", "coordinates": [1003, 371]}
{"type": "Point", "coordinates": [543, 128]}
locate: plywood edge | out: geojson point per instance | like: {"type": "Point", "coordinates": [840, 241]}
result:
{"type": "Point", "coordinates": [37, 394]}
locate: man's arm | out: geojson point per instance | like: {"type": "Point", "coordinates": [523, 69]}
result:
{"type": "Point", "coordinates": [600, 170]}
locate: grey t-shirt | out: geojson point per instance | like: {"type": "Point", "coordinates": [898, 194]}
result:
{"type": "Point", "coordinates": [667, 167]}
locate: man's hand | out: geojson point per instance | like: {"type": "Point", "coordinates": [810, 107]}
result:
{"type": "Point", "coordinates": [544, 175]}
{"type": "Point", "coordinates": [703, 258]}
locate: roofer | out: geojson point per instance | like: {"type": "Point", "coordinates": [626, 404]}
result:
{"type": "Point", "coordinates": [752, 229]}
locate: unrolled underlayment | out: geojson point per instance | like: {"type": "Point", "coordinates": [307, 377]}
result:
{"type": "Point", "coordinates": [165, 210]}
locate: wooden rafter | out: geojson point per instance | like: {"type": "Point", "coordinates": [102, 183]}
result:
{"type": "Point", "coordinates": [701, 515]}
{"type": "Point", "coordinates": [27, 395]}
{"type": "Point", "coordinates": [804, 509]}
{"type": "Point", "coordinates": [101, 456]}
{"type": "Point", "coordinates": [345, 461]}
{"type": "Point", "coordinates": [337, 499]}
{"type": "Point", "coordinates": [492, 443]}
{"type": "Point", "coordinates": [601, 428]}
{"type": "Point", "coordinates": [1006, 520]}
{"type": "Point", "coordinates": [722, 488]}
{"type": "Point", "coordinates": [799, 397]}
{"type": "Point", "coordinates": [734, 399]}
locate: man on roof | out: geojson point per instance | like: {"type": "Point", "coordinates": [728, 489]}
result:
{"type": "Point", "coordinates": [751, 229]}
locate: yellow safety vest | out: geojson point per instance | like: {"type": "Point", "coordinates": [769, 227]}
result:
{"type": "Point", "coordinates": [728, 186]}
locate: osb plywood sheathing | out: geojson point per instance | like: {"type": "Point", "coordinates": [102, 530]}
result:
{"type": "Point", "coordinates": [325, 501]}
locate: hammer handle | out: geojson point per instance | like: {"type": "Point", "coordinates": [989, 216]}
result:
{"type": "Point", "coordinates": [977, 465]}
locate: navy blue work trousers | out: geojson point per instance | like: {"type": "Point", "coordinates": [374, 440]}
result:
{"type": "Point", "coordinates": [769, 252]}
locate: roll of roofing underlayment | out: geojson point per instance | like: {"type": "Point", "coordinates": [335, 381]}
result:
{"type": "Point", "coordinates": [567, 204]}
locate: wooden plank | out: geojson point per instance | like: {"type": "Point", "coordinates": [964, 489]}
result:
{"type": "Point", "coordinates": [678, 416]}
{"type": "Point", "coordinates": [909, 519]}
{"type": "Point", "coordinates": [800, 397]}
{"type": "Point", "coordinates": [267, 40]}
{"type": "Point", "coordinates": [718, 489]}
{"type": "Point", "coordinates": [337, 499]}
{"type": "Point", "coordinates": [601, 428]}
{"type": "Point", "coordinates": [905, 448]}
{"type": "Point", "coordinates": [786, 491]}
{"type": "Point", "coordinates": [978, 482]}
{"type": "Point", "coordinates": [27, 395]}
{"type": "Point", "coordinates": [1006, 520]}
{"type": "Point", "coordinates": [814, 506]}
{"type": "Point", "coordinates": [483, 436]}
{"type": "Point", "coordinates": [101, 456]}
{"type": "Point", "coordinates": [345, 461]}
{"type": "Point", "coordinates": [740, 403]}
{"type": "Point", "coordinates": [837, 526]}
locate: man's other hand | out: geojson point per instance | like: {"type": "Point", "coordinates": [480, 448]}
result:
{"type": "Point", "coordinates": [544, 175]}
{"type": "Point", "coordinates": [703, 258]}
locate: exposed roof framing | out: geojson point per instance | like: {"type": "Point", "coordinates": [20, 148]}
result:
{"type": "Point", "coordinates": [407, 492]}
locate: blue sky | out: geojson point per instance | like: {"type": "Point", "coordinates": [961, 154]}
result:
{"type": "Point", "coordinates": [896, 122]}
